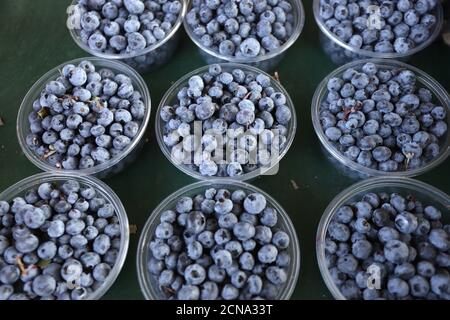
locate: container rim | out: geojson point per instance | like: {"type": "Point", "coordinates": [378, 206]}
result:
{"type": "Point", "coordinates": [106, 192]}
{"type": "Point", "coordinates": [372, 54]}
{"type": "Point", "coordinates": [344, 196]}
{"type": "Point", "coordinates": [427, 81]}
{"type": "Point", "coordinates": [34, 91]}
{"type": "Point", "coordinates": [145, 237]}
{"type": "Point", "coordinates": [227, 65]}
{"type": "Point", "coordinates": [300, 22]}
{"type": "Point", "coordinates": [145, 51]}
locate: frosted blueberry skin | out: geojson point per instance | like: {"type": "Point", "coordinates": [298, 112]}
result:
{"type": "Point", "coordinates": [245, 29]}
{"type": "Point", "coordinates": [220, 99]}
{"type": "Point", "coordinates": [60, 241]}
{"type": "Point", "coordinates": [126, 27]}
{"type": "Point", "coordinates": [401, 25]}
{"type": "Point", "coordinates": [202, 251]}
{"type": "Point", "coordinates": [85, 117]}
{"type": "Point", "coordinates": [403, 238]}
{"type": "Point", "coordinates": [382, 118]}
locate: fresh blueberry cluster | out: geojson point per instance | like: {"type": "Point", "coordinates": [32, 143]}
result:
{"type": "Point", "coordinates": [243, 29]}
{"type": "Point", "coordinates": [126, 26]}
{"type": "Point", "coordinates": [220, 244]}
{"type": "Point", "coordinates": [58, 241]}
{"type": "Point", "coordinates": [397, 243]}
{"type": "Point", "coordinates": [379, 118]}
{"type": "Point", "coordinates": [383, 26]}
{"type": "Point", "coordinates": [234, 109]}
{"type": "Point", "coordinates": [84, 117]}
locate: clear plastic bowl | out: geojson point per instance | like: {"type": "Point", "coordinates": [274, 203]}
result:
{"type": "Point", "coordinates": [341, 52]}
{"type": "Point", "coordinates": [422, 191]}
{"type": "Point", "coordinates": [170, 98]}
{"type": "Point", "coordinates": [21, 187]}
{"type": "Point", "coordinates": [149, 283]}
{"type": "Point", "coordinates": [116, 164]}
{"type": "Point", "coordinates": [441, 97]}
{"type": "Point", "coordinates": [144, 60]}
{"type": "Point", "coordinates": [266, 62]}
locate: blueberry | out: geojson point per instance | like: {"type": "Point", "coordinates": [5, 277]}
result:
{"type": "Point", "coordinates": [281, 240]}
{"type": "Point", "coordinates": [396, 251]}
{"type": "Point", "coordinates": [347, 264]}
{"type": "Point", "coordinates": [338, 231]}
{"type": "Point", "coordinates": [243, 231]}
{"type": "Point", "coordinates": [350, 290]}
{"type": "Point", "coordinates": [222, 258]}
{"type": "Point", "coordinates": [101, 272]}
{"type": "Point", "coordinates": [164, 230]}
{"type": "Point", "coordinates": [398, 287]}
{"type": "Point", "coordinates": [255, 203]}
{"type": "Point", "coordinates": [194, 274]}
{"type": "Point", "coordinates": [188, 292]}
{"type": "Point", "coordinates": [77, 77]}
{"type": "Point", "coordinates": [209, 291]}
{"type": "Point", "coordinates": [33, 217]}
{"type": "Point", "coordinates": [44, 285]}
{"type": "Point", "coordinates": [102, 244]}
{"type": "Point", "coordinates": [439, 283]}
{"type": "Point", "coordinates": [250, 47]}
{"type": "Point", "coordinates": [276, 275]}
{"type": "Point", "coordinates": [9, 274]}
{"type": "Point", "coordinates": [27, 243]}
{"type": "Point", "coordinates": [419, 286]}
{"type": "Point", "coordinates": [440, 239]}
{"type": "Point", "coordinates": [432, 213]}
{"type": "Point", "coordinates": [47, 250]}
{"type": "Point", "coordinates": [406, 222]}
{"type": "Point", "coordinates": [362, 249]}
{"type": "Point", "coordinates": [267, 254]}
{"type": "Point", "coordinates": [184, 205]}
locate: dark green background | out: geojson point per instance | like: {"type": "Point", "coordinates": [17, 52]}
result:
{"type": "Point", "coordinates": [34, 39]}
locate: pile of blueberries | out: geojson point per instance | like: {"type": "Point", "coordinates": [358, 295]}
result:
{"type": "Point", "coordinates": [85, 117]}
{"type": "Point", "coordinates": [220, 245]}
{"type": "Point", "coordinates": [382, 119]}
{"type": "Point", "coordinates": [57, 242]}
{"type": "Point", "coordinates": [243, 29]}
{"type": "Point", "coordinates": [126, 26]}
{"type": "Point", "coordinates": [395, 26]}
{"type": "Point", "coordinates": [242, 107]}
{"type": "Point", "coordinates": [392, 241]}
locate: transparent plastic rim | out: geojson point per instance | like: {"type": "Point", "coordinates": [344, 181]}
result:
{"type": "Point", "coordinates": [146, 237]}
{"type": "Point", "coordinates": [106, 192]}
{"type": "Point", "coordinates": [300, 22]}
{"type": "Point", "coordinates": [345, 196]}
{"type": "Point", "coordinates": [35, 90]}
{"type": "Point", "coordinates": [145, 51]}
{"type": "Point", "coordinates": [379, 55]}
{"type": "Point", "coordinates": [427, 81]}
{"type": "Point", "coordinates": [226, 66]}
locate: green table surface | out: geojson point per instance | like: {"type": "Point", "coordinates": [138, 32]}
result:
{"type": "Point", "coordinates": [34, 39]}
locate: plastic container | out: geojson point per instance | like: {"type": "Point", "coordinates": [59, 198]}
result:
{"type": "Point", "coordinates": [265, 62]}
{"type": "Point", "coordinates": [19, 189]}
{"type": "Point", "coordinates": [422, 191]}
{"type": "Point", "coordinates": [341, 52]}
{"type": "Point", "coordinates": [116, 164]}
{"type": "Point", "coordinates": [145, 60]}
{"type": "Point", "coordinates": [170, 98]}
{"type": "Point", "coordinates": [149, 283]}
{"type": "Point", "coordinates": [441, 97]}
